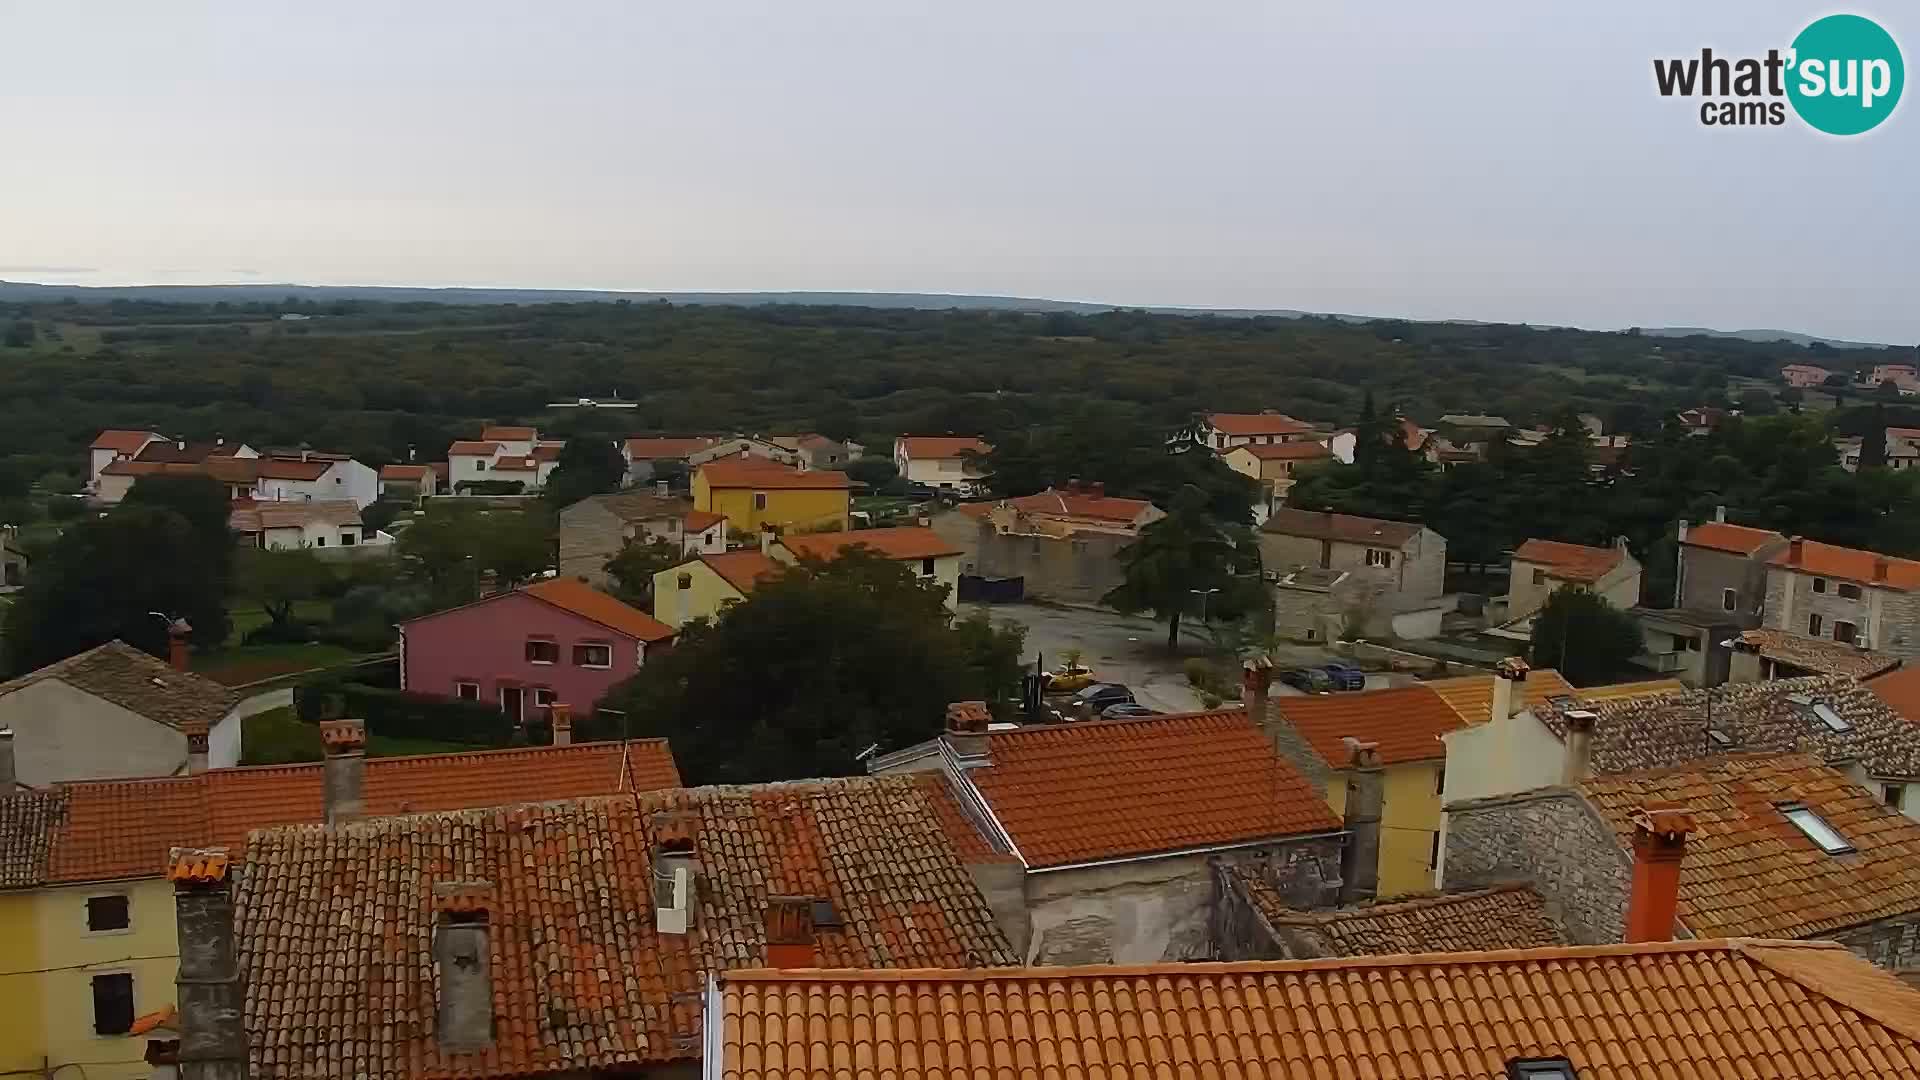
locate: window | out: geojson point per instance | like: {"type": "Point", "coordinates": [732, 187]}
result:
{"type": "Point", "coordinates": [1729, 599]}
{"type": "Point", "coordinates": [543, 651]}
{"type": "Point", "coordinates": [1894, 795]}
{"type": "Point", "coordinates": [1540, 1069]}
{"type": "Point", "coordinates": [1376, 557]}
{"type": "Point", "coordinates": [1820, 584]}
{"type": "Point", "coordinates": [479, 466]}
{"type": "Point", "coordinates": [1816, 829]}
{"type": "Point", "coordinates": [112, 1004]}
{"type": "Point", "coordinates": [1834, 721]}
{"type": "Point", "coordinates": [926, 567]}
{"type": "Point", "coordinates": [106, 913]}
{"type": "Point", "coordinates": [467, 691]}
{"type": "Point", "coordinates": [1539, 577]}
{"type": "Point", "coordinates": [1690, 644]}
{"type": "Point", "coordinates": [593, 656]}
{"type": "Point", "coordinates": [1849, 592]}
{"type": "Point", "coordinates": [348, 538]}
{"type": "Point", "coordinates": [1813, 625]}
{"type": "Point", "coordinates": [542, 697]}
{"type": "Point", "coordinates": [319, 541]}
{"type": "Point", "coordinates": [825, 916]}
{"type": "Point", "coordinates": [759, 500]}
{"type": "Point", "coordinates": [1844, 631]}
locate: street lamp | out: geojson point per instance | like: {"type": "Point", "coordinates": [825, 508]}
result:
{"type": "Point", "coordinates": [1203, 594]}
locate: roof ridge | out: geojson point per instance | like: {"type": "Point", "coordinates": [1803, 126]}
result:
{"type": "Point", "coordinates": [1398, 904]}
{"type": "Point", "coordinates": [1105, 723]}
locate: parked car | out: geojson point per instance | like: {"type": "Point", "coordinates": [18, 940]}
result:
{"type": "Point", "coordinates": [1345, 676]}
{"type": "Point", "coordinates": [1310, 680]}
{"type": "Point", "coordinates": [1070, 677]}
{"type": "Point", "coordinates": [1127, 710]}
{"type": "Point", "coordinates": [1093, 700]}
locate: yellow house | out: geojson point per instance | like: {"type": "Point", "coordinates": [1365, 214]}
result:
{"type": "Point", "coordinates": [1273, 464]}
{"type": "Point", "coordinates": [1406, 723]}
{"type": "Point", "coordinates": [751, 492]}
{"type": "Point", "coordinates": [701, 586]}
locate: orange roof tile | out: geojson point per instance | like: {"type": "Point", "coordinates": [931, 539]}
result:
{"type": "Point", "coordinates": [405, 472]}
{"type": "Point", "coordinates": [123, 441]}
{"type": "Point", "coordinates": [588, 602]}
{"type": "Point", "coordinates": [1699, 1010]}
{"type": "Point", "coordinates": [1406, 722]}
{"type": "Point", "coordinates": [273, 468]}
{"type": "Point", "coordinates": [1299, 450]}
{"type": "Point", "coordinates": [943, 446]}
{"type": "Point", "coordinates": [1068, 503]}
{"type": "Point", "coordinates": [473, 448]}
{"type": "Point", "coordinates": [650, 448]}
{"type": "Point", "coordinates": [1106, 789]}
{"type": "Point", "coordinates": [742, 569]}
{"type": "Point", "coordinates": [1569, 562]}
{"type": "Point", "coordinates": [1262, 423]}
{"type": "Point", "coordinates": [1628, 690]}
{"type": "Point", "coordinates": [500, 433]}
{"type": "Point", "coordinates": [1738, 539]}
{"type": "Point", "coordinates": [1853, 564]}
{"type": "Point", "coordinates": [1472, 695]}
{"type": "Point", "coordinates": [768, 475]}
{"type": "Point", "coordinates": [698, 521]}
{"type": "Point", "coordinates": [905, 542]}
{"type": "Point", "coordinates": [1748, 870]}
{"type": "Point", "coordinates": [583, 982]}
{"type": "Point", "coordinates": [1502, 917]}
{"type": "Point", "coordinates": [1900, 689]}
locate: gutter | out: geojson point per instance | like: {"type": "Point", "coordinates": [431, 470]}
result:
{"type": "Point", "coordinates": [1236, 846]}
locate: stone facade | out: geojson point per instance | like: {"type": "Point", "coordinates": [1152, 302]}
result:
{"type": "Point", "coordinates": [1324, 605]}
{"type": "Point", "coordinates": [1418, 571]}
{"type": "Point", "coordinates": [1238, 930]}
{"type": "Point", "coordinates": [1889, 618]}
{"type": "Point", "coordinates": [1707, 574]}
{"type": "Point", "coordinates": [1554, 839]}
{"type": "Point", "coordinates": [1079, 569]}
{"type": "Point", "coordinates": [1893, 943]}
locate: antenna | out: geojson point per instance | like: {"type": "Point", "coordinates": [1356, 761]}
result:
{"type": "Point", "coordinates": [867, 753]}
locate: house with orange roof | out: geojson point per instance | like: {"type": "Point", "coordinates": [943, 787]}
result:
{"type": "Point", "coordinates": [88, 920]}
{"type": "Point", "coordinates": [705, 584]}
{"type": "Point", "coordinates": [408, 483]}
{"type": "Point", "coordinates": [1804, 376]}
{"type": "Point", "coordinates": [1111, 825]}
{"type": "Point", "coordinates": [1063, 542]}
{"type": "Point", "coordinates": [925, 552]}
{"type": "Point", "coordinates": [1271, 465]}
{"type": "Point", "coordinates": [559, 640]}
{"type": "Point", "coordinates": [1221, 432]}
{"type": "Point", "coordinates": [1858, 599]}
{"type": "Point", "coordinates": [817, 451]}
{"type": "Point", "coordinates": [948, 462]}
{"type": "Point", "coordinates": [329, 526]}
{"type": "Point", "coordinates": [641, 451]}
{"type": "Point", "coordinates": [750, 446]}
{"type": "Point", "coordinates": [751, 492]}
{"type": "Point", "coordinates": [1542, 567]}
{"type": "Point", "coordinates": [1720, 586]}
{"type": "Point", "coordinates": [115, 444]}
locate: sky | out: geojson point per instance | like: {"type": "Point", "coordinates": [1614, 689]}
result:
{"type": "Point", "coordinates": [1504, 160]}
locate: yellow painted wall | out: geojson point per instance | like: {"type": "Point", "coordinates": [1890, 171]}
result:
{"type": "Point", "coordinates": [1409, 821]}
{"type": "Point", "coordinates": [54, 1020]}
{"type": "Point", "coordinates": [707, 591]}
{"type": "Point", "coordinates": [794, 510]}
{"type": "Point", "coordinates": [21, 1045]}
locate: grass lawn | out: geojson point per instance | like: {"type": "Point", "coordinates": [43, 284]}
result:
{"type": "Point", "coordinates": [251, 663]}
{"type": "Point", "coordinates": [312, 612]}
{"type": "Point", "coordinates": [278, 737]}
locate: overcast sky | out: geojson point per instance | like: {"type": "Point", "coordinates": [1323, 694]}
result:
{"type": "Point", "coordinates": [1504, 161]}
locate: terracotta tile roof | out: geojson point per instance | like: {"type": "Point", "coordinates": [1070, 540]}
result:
{"type": "Point", "coordinates": [1569, 562]}
{"type": "Point", "coordinates": [179, 451]}
{"type": "Point", "coordinates": [1749, 871]}
{"type": "Point", "coordinates": [473, 448]}
{"type": "Point", "coordinates": [1767, 717]}
{"type": "Point", "coordinates": [1818, 656]}
{"type": "Point", "coordinates": [698, 521]}
{"type": "Point", "coordinates": [1503, 917]}
{"type": "Point", "coordinates": [588, 602]}
{"type": "Point", "coordinates": [1342, 528]}
{"type": "Point", "coordinates": [1056, 502]}
{"type": "Point", "coordinates": [1261, 423]}
{"type": "Point", "coordinates": [516, 463]}
{"type": "Point", "coordinates": [494, 433]}
{"type": "Point", "coordinates": [1694, 1010]}
{"type": "Point", "coordinates": [547, 452]}
{"type": "Point", "coordinates": [286, 468]}
{"type": "Point", "coordinates": [1472, 695]}
{"type": "Point", "coordinates": [1474, 420]}
{"type": "Point", "coordinates": [582, 981]}
{"type": "Point", "coordinates": [1299, 450]}
{"type": "Point", "coordinates": [905, 542]}
{"type": "Point", "coordinates": [110, 830]}
{"type": "Point", "coordinates": [1406, 721]}
{"type": "Point", "coordinates": [758, 473]}
{"type": "Point", "coordinates": [969, 840]}
{"type": "Point", "coordinates": [251, 517]}
{"type": "Point", "coordinates": [409, 473]}
{"type": "Point", "coordinates": [1900, 689]}
{"type": "Point", "coordinates": [1106, 789]}
{"type": "Point", "coordinates": [139, 683]}
{"type": "Point", "coordinates": [670, 449]}
{"type": "Point", "coordinates": [742, 569]}
{"type": "Point", "coordinates": [927, 447]}
{"type": "Point", "coordinates": [442, 470]}
{"type": "Point", "coordinates": [225, 469]}
{"type": "Point", "coordinates": [1737, 539]}
{"type": "Point", "coordinates": [1626, 690]}
{"type": "Point", "coordinates": [1853, 564]}
{"type": "Point", "coordinates": [122, 441]}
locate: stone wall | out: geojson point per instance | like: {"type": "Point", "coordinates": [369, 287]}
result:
{"type": "Point", "coordinates": [1892, 943]}
{"type": "Point", "coordinates": [1079, 570]}
{"type": "Point", "coordinates": [1891, 619]}
{"type": "Point", "coordinates": [1706, 575]}
{"type": "Point", "coordinates": [590, 535]}
{"type": "Point", "coordinates": [1304, 877]}
{"type": "Point", "coordinates": [1556, 841]}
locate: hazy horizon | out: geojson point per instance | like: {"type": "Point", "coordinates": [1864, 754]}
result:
{"type": "Point", "coordinates": [1505, 163]}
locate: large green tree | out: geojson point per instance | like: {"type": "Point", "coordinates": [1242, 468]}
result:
{"type": "Point", "coordinates": [588, 465]}
{"type": "Point", "coordinates": [279, 579]}
{"type": "Point", "coordinates": [819, 664]}
{"type": "Point", "coordinates": [632, 570]}
{"type": "Point", "coordinates": [1588, 639]}
{"type": "Point", "coordinates": [1188, 563]}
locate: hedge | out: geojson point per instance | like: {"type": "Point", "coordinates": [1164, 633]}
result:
{"type": "Point", "coordinates": [401, 714]}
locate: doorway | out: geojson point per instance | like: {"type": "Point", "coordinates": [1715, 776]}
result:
{"type": "Point", "coordinates": [512, 702]}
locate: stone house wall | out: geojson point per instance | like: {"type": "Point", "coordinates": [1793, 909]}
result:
{"type": "Point", "coordinates": [1553, 839]}
{"type": "Point", "coordinates": [1706, 574]}
{"type": "Point", "coordinates": [1890, 617]}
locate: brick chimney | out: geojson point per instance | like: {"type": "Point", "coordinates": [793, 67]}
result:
{"type": "Point", "coordinates": [966, 736]}
{"type": "Point", "coordinates": [345, 744]}
{"type": "Point", "coordinates": [790, 932]}
{"type": "Point", "coordinates": [463, 961]}
{"type": "Point", "coordinates": [1659, 843]}
{"type": "Point", "coordinates": [1366, 792]}
{"type": "Point", "coordinates": [7, 773]}
{"type": "Point", "coordinates": [177, 632]}
{"type": "Point", "coordinates": [562, 719]}
{"type": "Point", "coordinates": [1796, 550]}
{"type": "Point", "coordinates": [213, 1039]}
{"type": "Point", "coordinates": [1579, 759]}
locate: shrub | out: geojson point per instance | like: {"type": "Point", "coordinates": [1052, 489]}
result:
{"type": "Point", "coordinates": [292, 632]}
{"type": "Point", "coordinates": [403, 714]}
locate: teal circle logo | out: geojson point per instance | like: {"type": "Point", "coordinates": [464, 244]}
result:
{"type": "Point", "coordinates": [1845, 75]}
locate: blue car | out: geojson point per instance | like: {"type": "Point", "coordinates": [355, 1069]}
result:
{"type": "Point", "coordinates": [1345, 676]}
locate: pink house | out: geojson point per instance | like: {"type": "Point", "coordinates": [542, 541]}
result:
{"type": "Point", "coordinates": [560, 640]}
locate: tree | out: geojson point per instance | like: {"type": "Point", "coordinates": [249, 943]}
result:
{"type": "Point", "coordinates": [671, 471]}
{"type": "Point", "coordinates": [279, 579]}
{"type": "Point", "coordinates": [20, 334]}
{"type": "Point", "coordinates": [204, 503]}
{"type": "Point", "coordinates": [1758, 402]}
{"type": "Point", "coordinates": [821, 663]}
{"type": "Point", "coordinates": [1873, 439]}
{"type": "Point", "coordinates": [632, 570]}
{"type": "Point", "coordinates": [1585, 637]}
{"type": "Point", "coordinates": [874, 471]}
{"type": "Point", "coordinates": [516, 545]}
{"type": "Point", "coordinates": [587, 466]}
{"type": "Point", "coordinates": [1183, 560]}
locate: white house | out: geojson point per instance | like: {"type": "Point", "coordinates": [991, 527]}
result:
{"type": "Point", "coordinates": [315, 476]}
{"type": "Point", "coordinates": [528, 462]}
{"type": "Point", "coordinates": [1222, 432]}
{"type": "Point", "coordinates": [941, 461]}
{"type": "Point", "coordinates": [115, 444]}
{"type": "Point", "coordinates": [318, 524]}
{"type": "Point", "coordinates": [511, 440]}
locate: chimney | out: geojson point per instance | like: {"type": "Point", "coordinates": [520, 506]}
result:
{"type": "Point", "coordinates": [7, 774]}
{"type": "Point", "coordinates": [1256, 678]}
{"type": "Point", "coordinates": [1720, 514]}
{"type": "Point", "coordinates": [1579, 745]}
{"type": "Point", "coordinates": [674, 871]}
{"type": "Point", "coordinates": [197, 746]}
{"type": "Point", "coordinates": [1879, 569]}
{"type": "Point", "coordinates": [966, 735]}
{"type": "Point", "coordinates": [1366, 791]}
{"type": "Point", "coordinates": [306, 454]}
{"type": "Point", "coordinates": [766, 538]}
{"type": "Point", "coordinates": [562, 718]}
{"type": "Point", "coordinates": [790, 932]}
{"type": "Point", "coordinates": [213, 1039]}
{"type": "Point", "coordinates": [180, 444]}
{"type": "Point", "coordinates": [1659, 843]}
{"type": "Point", "coordinates": [1507, 675]}
{"type": "Point", "coordinates": [177, 632]}
{"type": "Point", "coordinates": [411, 453]}
{"type": "Point", "coordinates": [661, 488]}
{"type": "Point", "coordinates": [219, 440]}
{"type": "Point", "coordinates": [345, 745]}
{"type": "Point", "coordinates": [462, 960]}
{"type": "Point", "coordinates": [1796, 550]}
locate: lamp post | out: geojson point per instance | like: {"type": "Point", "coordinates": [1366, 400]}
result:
{"type": "Point", "coordinates": [1203, 594]}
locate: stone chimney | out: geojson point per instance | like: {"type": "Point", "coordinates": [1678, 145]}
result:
{"type": "Point", "coordinates": [7, 773]}
{"type": "Point", "coordinates": [1744, 666]}
{"type": "Point", "coordinates": [675, 871]}
{"type": "Point", "coordinates": [966, 736]}
{"type": "Point", "coordinates": [345, 745]}
{"type": "Point", "coordinates": [562, 719]}
{"type": "Point", "coordinates": [790, 932]}
{"type": "Point", "coordinates": [213, 1038]}
{"type": "Point", "coordinates": [198, 739]}
{"type": "Point", "coordinates": [767, 536]}
{"type": "Point", "coordinates": [1508, 674]}
{"type": "Point", "coordinates": [1720, 514]}
{"type": "Point", "coordinates": [1579, 759]}
{"type": "Point", "coordinates": [1659, 844]}
{"type": "Point", "coordinates": [177, 631]}
{"type": "Point", "coordinates": [463, 961]}
{"type": "Point", "coordinates": [1366, 792]}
